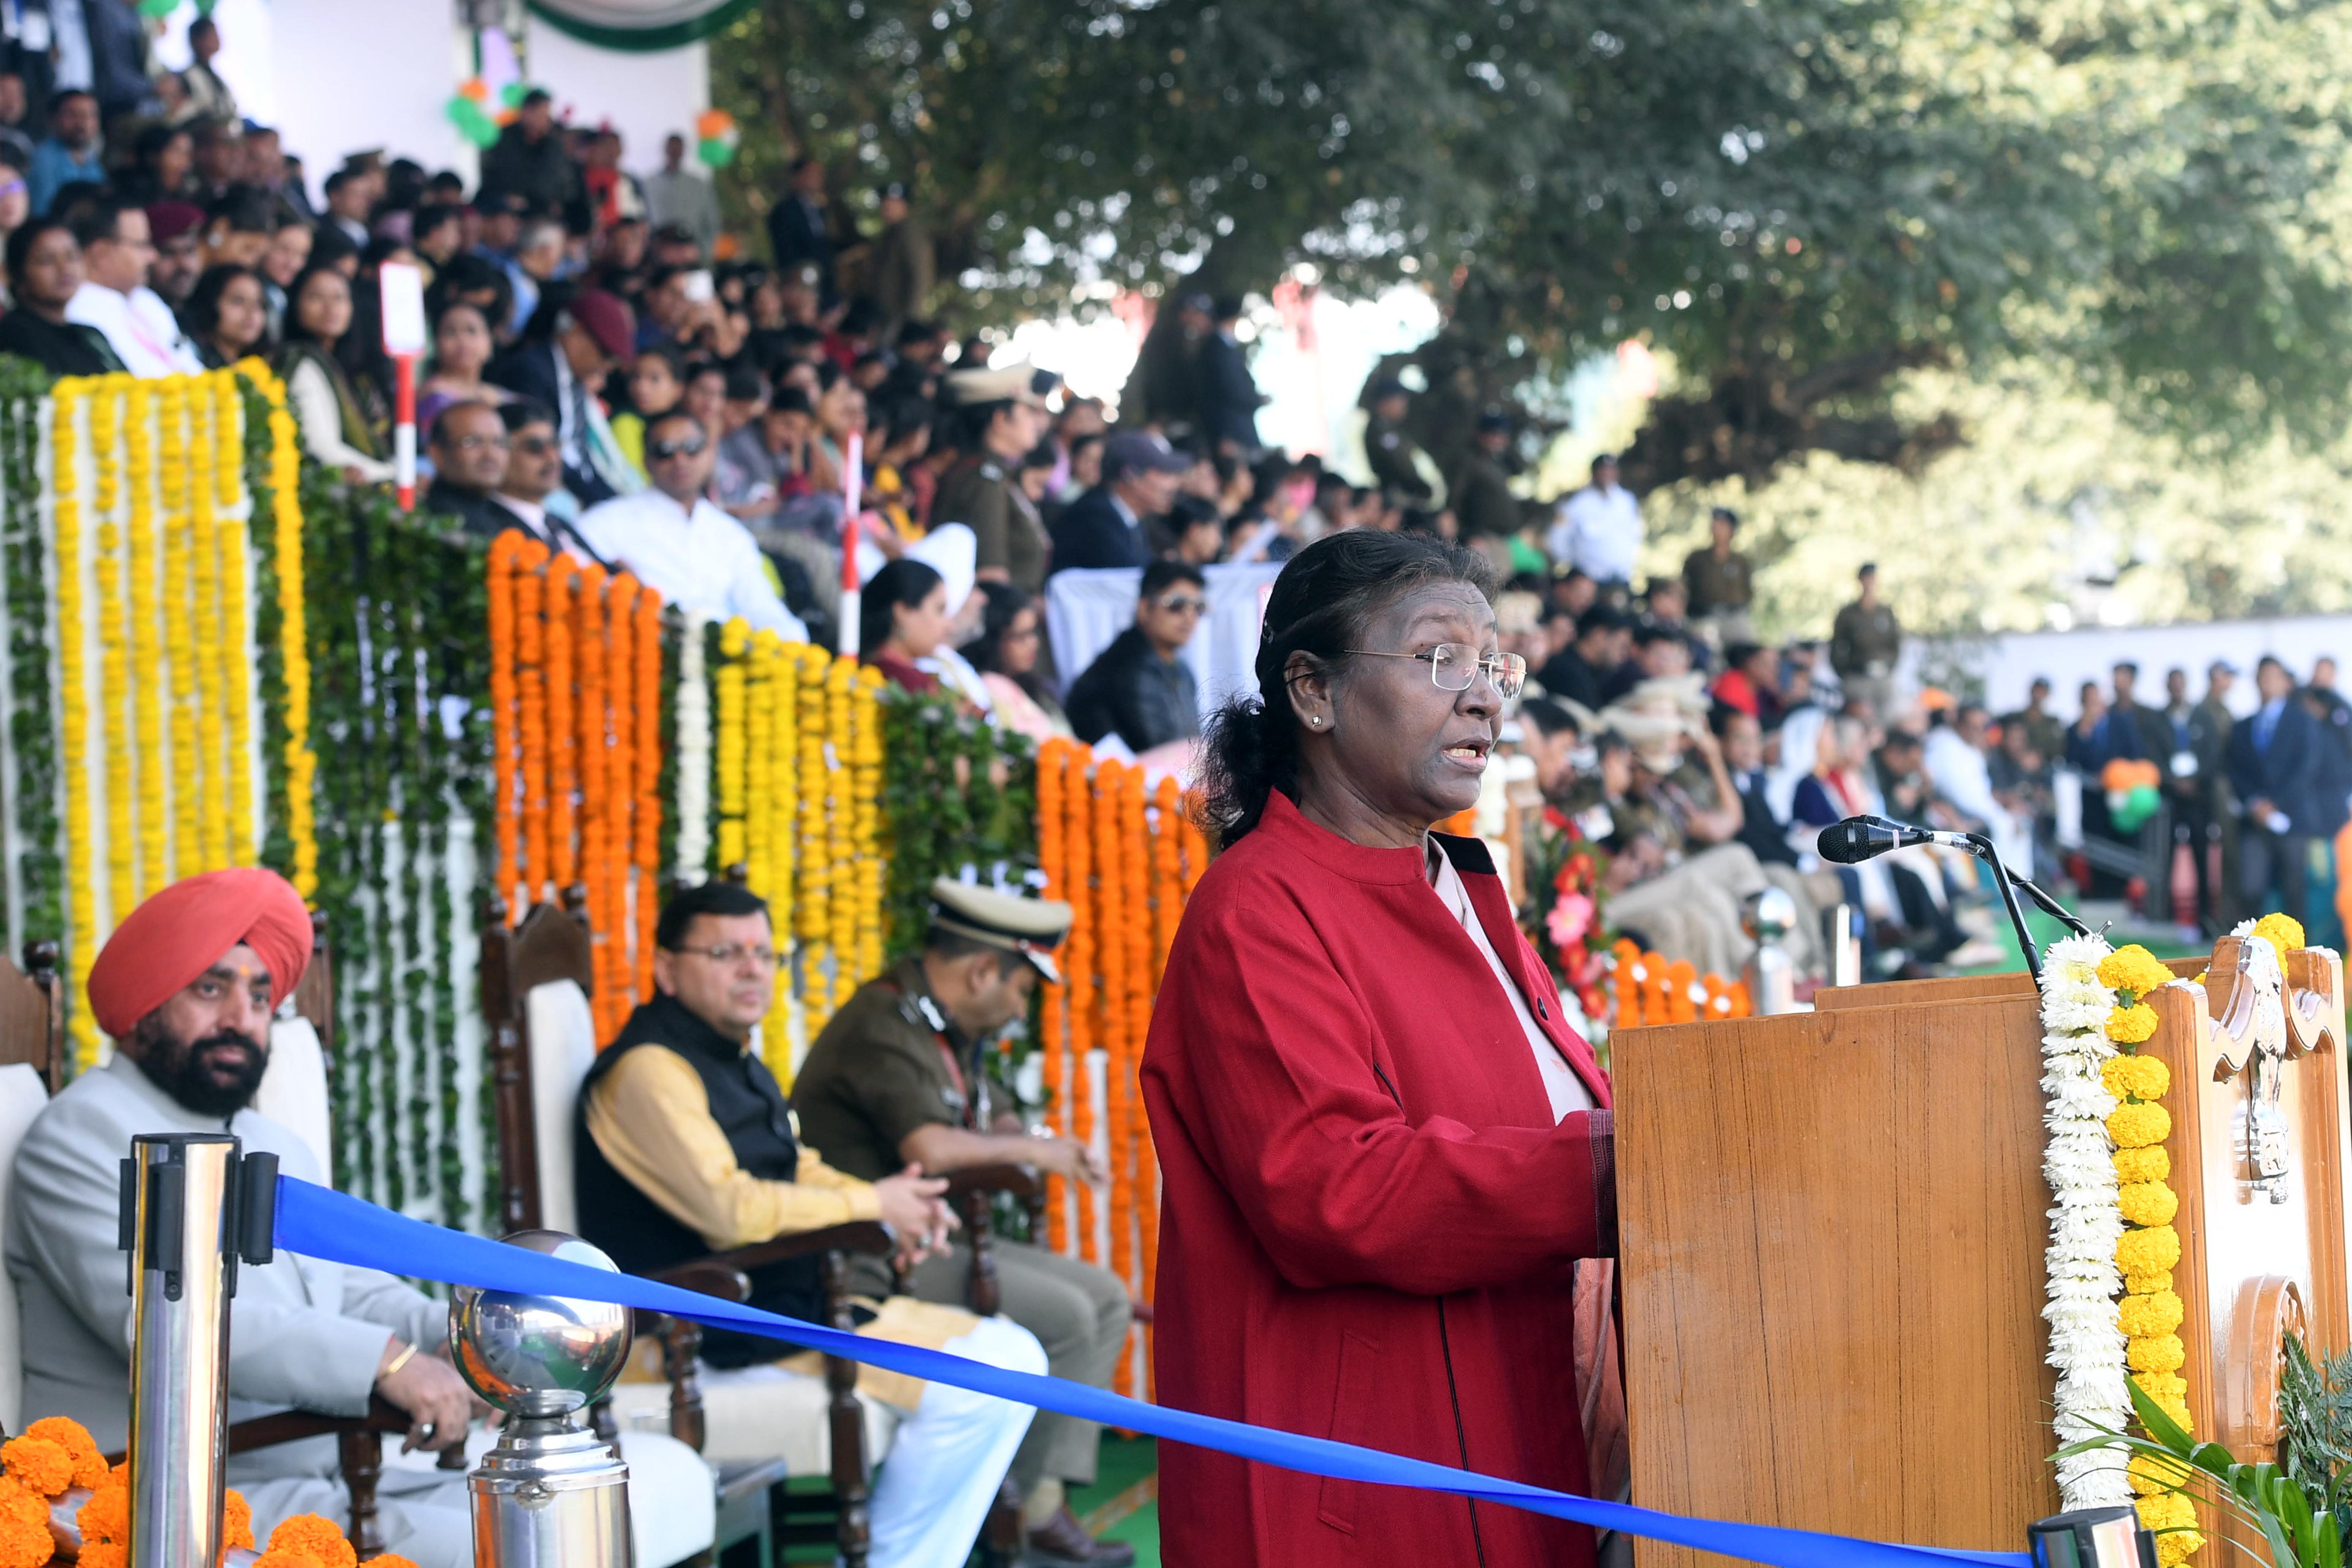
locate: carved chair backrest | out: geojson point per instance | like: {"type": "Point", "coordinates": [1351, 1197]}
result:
{"type": "Point", "coordinates": [535, 1082]}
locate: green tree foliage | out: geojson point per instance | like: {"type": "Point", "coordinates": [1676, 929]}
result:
{"type": "Point", "coordinates": [1797, 199]}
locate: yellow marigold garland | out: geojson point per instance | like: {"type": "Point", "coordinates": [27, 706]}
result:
{"type": "Point", "coordinates": [842, 932]}
{"type": "Point", "coordinates": [113, 682]}
{"type": "Point", "coordinates": [215, 423]}
{"type": "Point", "coordinates": [2150, 1313]}
{"type": "Point", "coordinates": [727, 742]}
{"type": "Point", "coordinates": [301, 762]}
{"type": "Point", "coordinates": [147, 690]}
{"type": "Point", "coordinates": [66, 398]}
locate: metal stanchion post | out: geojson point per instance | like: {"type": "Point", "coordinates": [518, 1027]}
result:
{"type": "Point", "coordinates": [1770, 975]}
{"type": "Point", "coordinates": [2091, 1537]}
{"type": "Point", "coordinates": [187, 1200]}
{"type": "Point", "coordinates": [552, 1494]}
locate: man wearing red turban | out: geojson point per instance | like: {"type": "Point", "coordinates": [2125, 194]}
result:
{"type": "Point", "coordinates": [186, 987]}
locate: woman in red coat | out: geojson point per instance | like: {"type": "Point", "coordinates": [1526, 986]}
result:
{"type": "Point", "coordinates": [1381, 1150]}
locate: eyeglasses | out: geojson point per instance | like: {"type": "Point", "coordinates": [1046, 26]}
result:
{"type": "Point", "coordinates": [1182, 603]}
{"type": "Point", "coordinates": [534, 446]}
{"type": "Point", "coordinates": [477, 443]}
{"type": "Point", "coordinates": [728, 954]}
{"type": "Point", "coordinates": [663, 451]}
{"type": "Point", "coordinates": [1453, 666]}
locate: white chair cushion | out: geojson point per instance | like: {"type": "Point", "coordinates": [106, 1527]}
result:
{"type": "Point", "coordinates": [562, 1049]}
{"type": "Point", "coordinates": [758, 1412]}
{"type": "Point", "coordinates": [672, 1503]}
{"type": "Point", "coordinates": [293, 1091]}
{"type": "Point", "coordinates": [22, 1096]}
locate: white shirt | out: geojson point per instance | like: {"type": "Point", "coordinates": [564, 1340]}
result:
{"type": "Point", "coordinates": [139, 325]}
{"type": "Point", "coordinates": [701, 560]}
{"type": "Point", "coordinates": [1599, 533]}
{"type": "Point", "coordinates": [1565, 1089]}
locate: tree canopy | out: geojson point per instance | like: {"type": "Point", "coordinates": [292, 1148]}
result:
{"type": "Point", "coordinates": [1797, 200]}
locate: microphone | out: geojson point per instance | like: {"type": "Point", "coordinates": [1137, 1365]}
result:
{"type": "Point", "coordinates": [1859, 838]}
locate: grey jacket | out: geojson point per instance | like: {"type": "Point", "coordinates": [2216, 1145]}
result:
{"type": "Point", "coordinates": [302, 1333]}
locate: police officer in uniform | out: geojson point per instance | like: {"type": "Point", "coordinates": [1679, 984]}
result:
{"type": "Point", "coordinates": [896, 1079]}
{"type": "Point", "coordinates": [1004, 417]}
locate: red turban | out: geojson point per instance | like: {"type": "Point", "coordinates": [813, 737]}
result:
{"type": "Point", "coordinates": [184, 930]}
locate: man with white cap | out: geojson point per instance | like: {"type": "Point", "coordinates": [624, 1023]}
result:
{"type": "Point", "coordinates": [1003, 415]}
{"type": "Point", "coordinates": [1105, 527]}
{"type": "Point", "coordinates": [897, 1078]}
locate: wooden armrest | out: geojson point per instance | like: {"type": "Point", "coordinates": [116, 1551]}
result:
{"type": "Point", "coordinates": [859, 1236]}
{"type": "Point", "coordinates": [706, 1277]}
{"type": "Point", "coordinates": [1020, 1181]}
{"type": "Point", "coordinates": [294, 1425]}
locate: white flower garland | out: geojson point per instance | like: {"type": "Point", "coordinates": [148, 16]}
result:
{"type": "Point", "coordinates": [2086, 1345]}
{"type": "Point", "coordinates": [693, 753]}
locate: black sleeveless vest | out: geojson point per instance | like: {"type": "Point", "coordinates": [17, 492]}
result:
{"type": "Point", "coordinates": [750, 1109]}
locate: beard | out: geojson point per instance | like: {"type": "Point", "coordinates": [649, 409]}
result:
{"type": "Point", "coordinates": [218, 1075]}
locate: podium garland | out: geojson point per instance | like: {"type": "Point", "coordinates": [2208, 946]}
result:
{"type": "Point", "coordinates": [2111, 1230]}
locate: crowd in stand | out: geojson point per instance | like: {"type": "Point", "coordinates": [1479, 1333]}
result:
{"type": "Point", "coordinates": [610, 371]}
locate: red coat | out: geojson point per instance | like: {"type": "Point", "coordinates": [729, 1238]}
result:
{"type": "Point", "coordinates": [1367, 1221]}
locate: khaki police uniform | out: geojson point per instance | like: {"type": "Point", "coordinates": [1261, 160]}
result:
{"type": "Point", "coordinates": [891, 1062]}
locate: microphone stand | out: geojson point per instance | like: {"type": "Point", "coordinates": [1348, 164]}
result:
{"type": "Point", "coordinates": [2008, 882]}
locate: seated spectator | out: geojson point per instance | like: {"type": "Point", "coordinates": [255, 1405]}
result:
{"type": "Point", "coordinates": [680, 544]}
{"type": "Point", "coordinates": [1580, 672]}
{"type": "Point", "coordinates": [1011, 633]}
{"type": "Point", "coordinates": [73, 152]}
{"type": "Point", "coordinates": [1105, 526]}
{"type": "Point", "coordinates": [1750, 681]}
{"type": "Point", "coordinates": [691, 1149]}
{"type": "Point", "coordinates": [885, 1089]}
{"type": "Point", "coordinates": [44, 272]}
{"type": "Point", "coordinates": [468, 445]}
{"type": "Point", "coordinates": [162, 167]}
{"type": "Point", "coordinates": [338, 429]}
{"type": "Point", "coordinates": [117, 252]}
{"type": "Point", "coordinates": [185, 987]}
{"type": "Point", "coordinates": [227, 317]}
{"type": "Point", "coordinates": [462, 346]}
{"type": "Point", "coordinates": [1665, 602]}
{"type": "Point", "coordinates": [1659, 653]}
{"type": "Point", "coordinates": [1196, 534]}
{"type": "Point", "coordinates": [531, 489]}
{"type": "Point", "coordinates": [1138, 688]}
{"type": "Point", "coordinates": [902, 617]}
{"type": "Point", "coordinates": [178, 259]}
{"type": "Point", "coordinates": [238, 227]}
{"type": "Point", "coordinates": [1960, 770]}
{"type": "Point", "coordinates": [563, 363]}
{"type": "Point", "coordinates": [759, 468]}
{"type": "Point", "coordinates": [656, 386]}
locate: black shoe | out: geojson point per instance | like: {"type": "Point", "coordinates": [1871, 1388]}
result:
{"type": "Point", "coordinates": [1062, 1543]}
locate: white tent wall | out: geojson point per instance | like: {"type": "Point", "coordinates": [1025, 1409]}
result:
{"type": "Point", "coordinates": [2008, 662]}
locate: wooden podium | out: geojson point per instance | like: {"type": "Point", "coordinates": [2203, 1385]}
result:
{"type": "Point", "coordinates": [1833, 1230]}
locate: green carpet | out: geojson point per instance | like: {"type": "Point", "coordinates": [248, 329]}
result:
{"type": "Point", "coordinates": [1124, 1502]}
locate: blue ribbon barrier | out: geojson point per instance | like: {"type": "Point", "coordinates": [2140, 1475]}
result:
{"type": "Point", "coordinates": [319, 1222]}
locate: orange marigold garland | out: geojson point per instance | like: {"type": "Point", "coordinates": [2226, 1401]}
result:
{"type": "Point", "coordinates": [612, 873]}
{"type": "Point", "coordinates": [1085, 1030]}
{"type": "Point", "coordinates": [1052, 757]}
{"type": "Point", "coordinates": [1113, 906]}
{"type": "Point", "coordinates": [530, 729]}
{"type": "Point", "coordinates": [506, 743]}
{"type": "Point", "coordinates": [562, 730]}
{"type": "Point", "coordinates": [315, 1537]}
{"type": "Point", "coordinates": [648, 812]}
{"type": "Point", "coordinates": [595, 823]}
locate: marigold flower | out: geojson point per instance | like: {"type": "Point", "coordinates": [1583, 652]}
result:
{"type": "Point", "coordinates": [104, 1554]}
{"type": "Point", "coordinates": [2136, 1078]}
{"type": "Point", "coordinates": [2165, 1388]}
{"type": "Point", "coordinates": [2149, 1282]}
{"type": "Point", "coordinates": [283, 1557]}
{"type": "Point", "coordinates": [2152, 1473]}
{"type": "Point", "coordinates": [314, 1536]}
{"type": "Point", "coordinates": [37, 1464]}
{"type": "Point", "coordinates": [18, 1504]}
{"type": "Point", "coordinates": [2149, 1164]}
{"type": "Point", "coordinates": [2148, 1203]}
{"type": "Point", "coordinates": [2137, 1126]}
{"type": "Point", "coordinates": [2133, 969]}
{"type": "Point", "coordinates": [25, 1545]}
{"type": "Point", "coordinates": [2155, 1352]}
{"type": "Point", "coordinates": [2156, 1312]}
{"type": "Point", "coordinates": [89, 1465]}
{"type": "Point", "coordinates": [236, 1520]}
{"type": "Point", "coordinates": [2282, 932]}
{"type": "Point", "coordinates": [2148, 1251]}
{"type": "Point", "coordinates": [106, 1516]}
{"type": "Point", "coordinates": [2130, 1025]}
{"type": "Point", "coordinates": [388, 1559]}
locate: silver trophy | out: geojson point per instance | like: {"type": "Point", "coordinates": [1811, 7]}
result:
{"type": "Point", "coordinates": [552, 1494]}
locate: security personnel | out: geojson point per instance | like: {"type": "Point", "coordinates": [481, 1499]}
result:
{"type": "Point", "coordinates": [1003, 415]}
{"type": "Point", "coordinates": [896, 1079]}
{"type": "Point", "coordinates": [1395, 458]}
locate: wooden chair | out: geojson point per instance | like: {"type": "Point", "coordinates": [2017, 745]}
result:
{"type": "Point", "coordinates": [552, 945]}
{"type": "Point", "coordinates": [32, 1034]}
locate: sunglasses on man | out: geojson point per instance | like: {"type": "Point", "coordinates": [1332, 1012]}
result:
{"type": "Point", "coordinates": [663, 451]}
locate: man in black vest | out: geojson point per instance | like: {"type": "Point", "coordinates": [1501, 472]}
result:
{"type": "Point", "coordinates": [688, 1147]}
